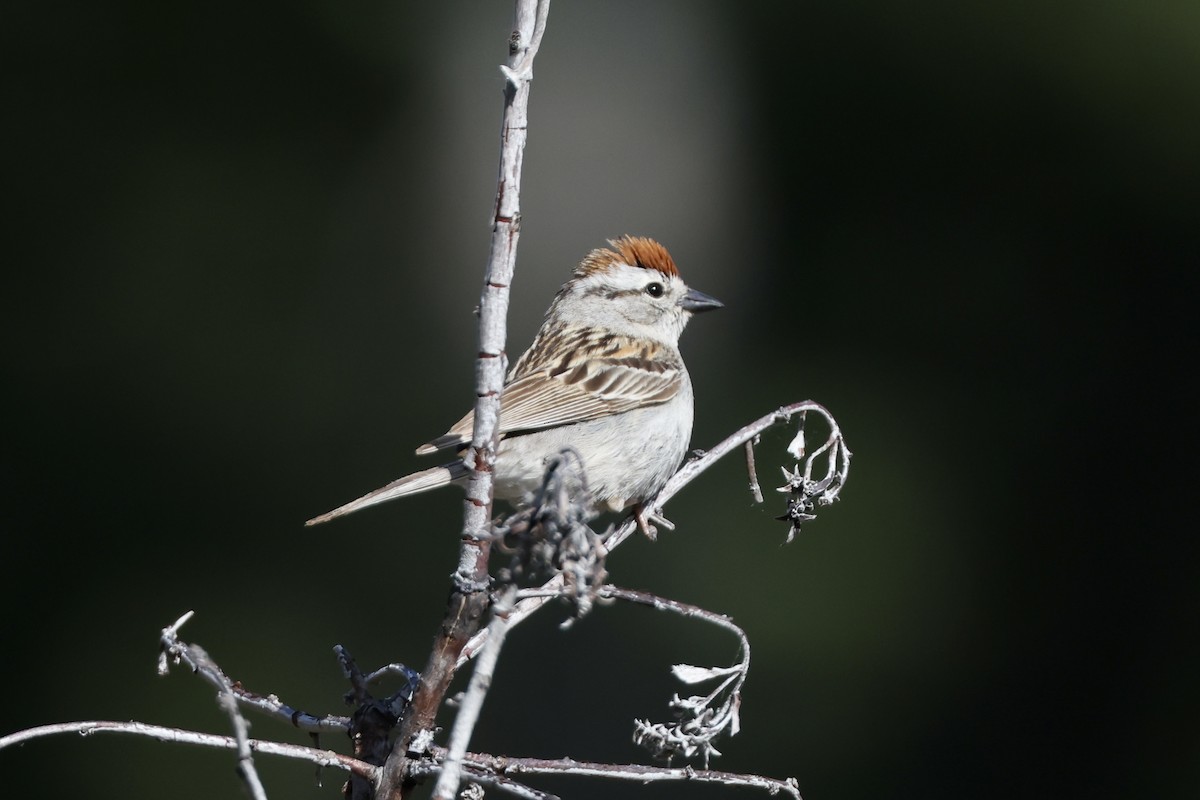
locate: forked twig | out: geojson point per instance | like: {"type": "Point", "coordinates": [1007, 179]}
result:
{"type": "Point", "coordinates": [174, 650]}
{"type": "Point", "coordinates": [227, 699]}
{"type": "Point", "coordinates": [837, 468]}
{"type": "Point", "coordinates": [472, 703]}
{"type": "Point", "coordinates": [700, 719]}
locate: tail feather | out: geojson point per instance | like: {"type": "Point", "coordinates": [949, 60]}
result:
{"type": "Point", "coordinates": [415, 483]}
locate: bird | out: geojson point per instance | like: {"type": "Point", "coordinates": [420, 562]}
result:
{"type": "Point", "coordinates": [603, 376]}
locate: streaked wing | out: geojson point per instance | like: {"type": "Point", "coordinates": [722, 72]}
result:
{"type": "Point", "coordinates": [592, 389]}
{"type": "Point", "coordinates": [621, 376]}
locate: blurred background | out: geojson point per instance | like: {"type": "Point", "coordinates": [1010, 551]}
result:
{"type": "Point", "coordinates": [244, 243]}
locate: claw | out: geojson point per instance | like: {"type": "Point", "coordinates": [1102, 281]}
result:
{"type": "Point", "coordinates": [645, 516]}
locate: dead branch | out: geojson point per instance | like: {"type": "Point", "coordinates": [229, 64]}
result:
{"type": "Point", "coordinates": [751, 471]}
{"type": "Point", "coordinates": [203, 665]}
{"type": "Point", "coordinates": [322, 758]}
{"type": "Point", "coordinates": [825, 489]}
{"type": "Point", "coordinates": [472, 704]}
{"type": "Point", "coordinates": [468, 600]}
{"type": "Point", "coordinates": [700, 720]}
{"type": "Point", "coordinates": [637, 773]}
{"type": "Point", "coordinates": [172, 650]}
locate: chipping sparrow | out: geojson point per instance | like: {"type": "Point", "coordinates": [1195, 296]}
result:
{"type": "Point", "coordinates": [603, 376]}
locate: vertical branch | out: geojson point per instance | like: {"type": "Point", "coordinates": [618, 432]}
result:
{"type": "Point", "coordinates": [468, 598]}
{"type": "Point", "coordinates": [493, 306]}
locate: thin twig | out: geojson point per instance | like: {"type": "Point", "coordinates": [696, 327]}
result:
{"type": "Point", "coordinates": [700, 720]}
{"type": "Point", "coordinates": [692, 469]}
{"type": "Point", "coordinates": [241, 732]}
{"type": "Point", "coordinates": [472, 703]}
{"type": "Point", "coordinates": [682, 609]}
{"type": "Point", "coordinates": [322, 758]}
{"type": "Point", "coordinates": [755, 489]}
{"type": "Point", "coordinates": [173, 650]}
{"type": "Point", "coordinates": [360, 682]}
{"type": "Point", "coordinates": [270, 705]}
{"type": "Point", "coordinates": [202, 664]}
{"type": "Point", "coordinates": [484, 777]}
{"type": "Point", "coordinates": [629, 772]}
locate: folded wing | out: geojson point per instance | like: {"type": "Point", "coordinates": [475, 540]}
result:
{"type": "Point", "coordinates": [570, 393]}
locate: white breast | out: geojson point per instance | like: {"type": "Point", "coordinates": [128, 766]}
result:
{"type": "Point", "coordinates": [627, 457]}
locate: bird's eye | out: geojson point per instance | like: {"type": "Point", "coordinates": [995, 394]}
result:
{"type": "Point", "coordinates": [654, 289]}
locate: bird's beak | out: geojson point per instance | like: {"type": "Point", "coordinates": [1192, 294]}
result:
{"type": "Point", "coordinates": [695, 302]}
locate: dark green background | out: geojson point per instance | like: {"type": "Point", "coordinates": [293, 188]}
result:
{"type": "Point", "coordinates": [242, 246]}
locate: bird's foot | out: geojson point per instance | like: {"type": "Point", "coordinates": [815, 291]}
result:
{"type": "Point", "coordinates": [645, 516]}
